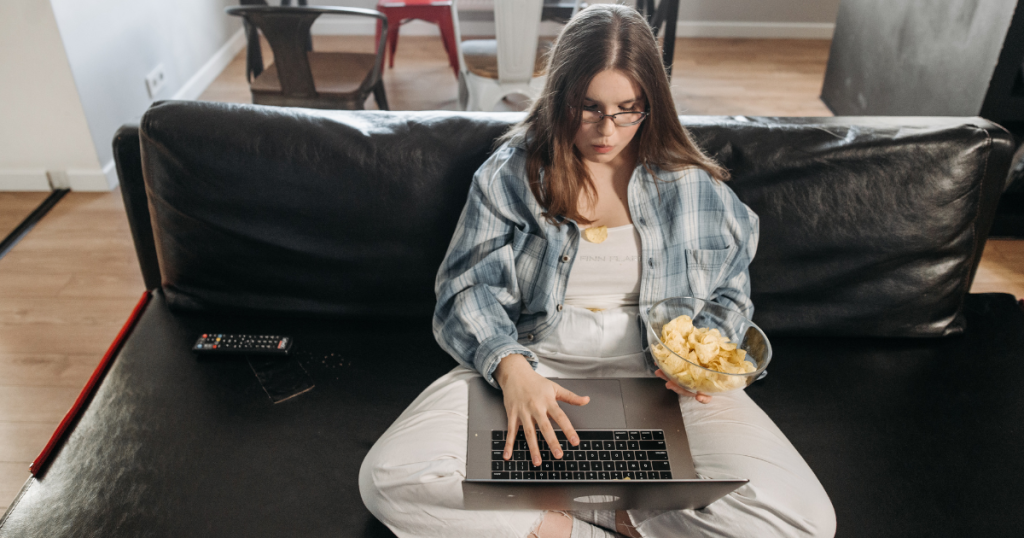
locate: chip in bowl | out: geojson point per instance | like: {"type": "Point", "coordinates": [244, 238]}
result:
{"type": "Point", "coordinates": [688, 344]}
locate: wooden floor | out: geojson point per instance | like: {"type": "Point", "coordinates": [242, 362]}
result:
{"type": "Point", "coordinates": [68, 286]}
{"type": "Point", "coordinates": [763, 77]}
{"type": "Point", "coordinates": [65, 291]}
{"type": "Point", "coordinates": [15, 206]}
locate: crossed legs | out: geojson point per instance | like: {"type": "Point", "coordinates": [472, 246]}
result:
{"type": "Point", "coordinates": [412, 477]}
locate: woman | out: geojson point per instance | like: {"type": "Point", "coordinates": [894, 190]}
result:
{"type": "Point", "coordinates": [594, 207]}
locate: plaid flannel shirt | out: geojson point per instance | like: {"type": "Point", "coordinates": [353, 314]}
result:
{"type": "Point", "coordinates": [502, 281]}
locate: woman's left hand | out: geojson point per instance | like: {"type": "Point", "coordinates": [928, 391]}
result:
{"type": "Point", "coordinates": [674, 387]}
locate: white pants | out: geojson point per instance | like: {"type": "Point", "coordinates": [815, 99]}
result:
{"type": "Point", "coordinates": [412, 477]}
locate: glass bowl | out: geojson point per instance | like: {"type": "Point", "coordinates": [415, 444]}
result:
{"type": "Point", "coordinates": [731, 324]}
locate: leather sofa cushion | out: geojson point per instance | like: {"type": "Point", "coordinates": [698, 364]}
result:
{"type": "Point", "coordinates": [904, 442]}
{"type": "Point", "coordinates": [869, 226]}
{"type": "Point", "coordinates": [288, 210]}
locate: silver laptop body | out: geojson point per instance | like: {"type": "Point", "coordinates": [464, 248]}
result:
{"type": "Point", "coordinates": [620, 404]}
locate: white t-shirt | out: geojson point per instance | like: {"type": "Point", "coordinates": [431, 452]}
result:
{"type": "Point", "coordinates": [606, 274]}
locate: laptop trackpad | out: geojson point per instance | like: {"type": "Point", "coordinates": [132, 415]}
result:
{"type": "Point", "coordinates": [605, 410]}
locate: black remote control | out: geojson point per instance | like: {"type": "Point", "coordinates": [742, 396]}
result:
{"type": "Point", "coordinates": [242, 344]}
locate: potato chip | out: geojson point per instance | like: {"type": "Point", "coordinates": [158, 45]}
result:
{"type": "Point", "coordinates": [596, 234]}
{"type": "Point", "coordinates": [714, 353]}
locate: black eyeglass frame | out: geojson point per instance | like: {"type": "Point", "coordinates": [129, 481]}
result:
{"type": "Point", "coordinates": [643, 116]}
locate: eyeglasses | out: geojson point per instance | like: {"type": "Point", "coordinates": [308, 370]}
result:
{"type": "Point", "coordinates": [622, 119]}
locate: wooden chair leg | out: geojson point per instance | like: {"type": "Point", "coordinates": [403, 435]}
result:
{"type": "Point", "coordinates": [444, 23]}
{"type": "Point", "coordinates": [253, 55]}
{"type": "Point", "coordinates": [393, 40]}
{"type": "Point", "coordinates": [380, 96]}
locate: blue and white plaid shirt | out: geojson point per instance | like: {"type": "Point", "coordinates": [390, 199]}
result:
{"type": "Point", "coordinates": [502, 282]}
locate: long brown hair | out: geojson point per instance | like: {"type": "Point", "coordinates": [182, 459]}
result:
{"type": "Point", "coordinates": [601, 37]}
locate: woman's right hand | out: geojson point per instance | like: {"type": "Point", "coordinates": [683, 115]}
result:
{"type": "Point", "coordinates": [530, 399]}
{"type": "Point", "coordinates": [675, 387]}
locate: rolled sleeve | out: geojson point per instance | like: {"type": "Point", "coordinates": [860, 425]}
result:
{"type": "Point", "coordinates": [478, 296]}
{"type": "Point", "coordinates": [491, 351]}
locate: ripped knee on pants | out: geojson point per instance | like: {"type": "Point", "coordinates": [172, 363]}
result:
{"type": "Point", "coordinates": [535, 533]}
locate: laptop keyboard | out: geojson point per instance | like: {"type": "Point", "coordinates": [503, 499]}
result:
{"type": "Point", "coordinates": [601, 455]}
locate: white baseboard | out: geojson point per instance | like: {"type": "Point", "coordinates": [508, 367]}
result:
{"type": "Point", "coordinates": [34, 180]}
{"type": "Point", "coordinates": [211, 69]}
{"type": "Point", "coordinates": [723, 29]}
{"type": "Point", "coordinates": [93, 180]}
{"type": "Point", "coordinates": [110, 171]}
{"type": "Point", "coordinates": [755, 30]}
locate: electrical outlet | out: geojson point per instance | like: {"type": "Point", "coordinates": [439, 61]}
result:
{"type": "Point", "coordinates": [155, 81]}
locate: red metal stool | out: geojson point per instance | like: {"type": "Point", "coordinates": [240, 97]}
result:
{"type": "Point", "coordinates": [438, 12]}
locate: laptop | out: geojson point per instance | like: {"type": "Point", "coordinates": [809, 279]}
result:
{"type": "Point", "coordinates": [633, 453]}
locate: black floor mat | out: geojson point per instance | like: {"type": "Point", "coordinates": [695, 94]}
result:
{"type": "Point", "coordinates": [1009, 220]}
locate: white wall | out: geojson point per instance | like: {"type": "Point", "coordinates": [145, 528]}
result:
{"type": "Point", "coordinates": [43, 129]}
{"type": "Point", "coordinates": [112, 45]}
{"type": "Point", "coordinates": [76, 73]}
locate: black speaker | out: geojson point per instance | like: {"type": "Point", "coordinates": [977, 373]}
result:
{"type": "Point", "coordinates": [927, 58]}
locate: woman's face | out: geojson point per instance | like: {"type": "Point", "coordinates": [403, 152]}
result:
{"type": "Point", "coordinates": [604, 142]}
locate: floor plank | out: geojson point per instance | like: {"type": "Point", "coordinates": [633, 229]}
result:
{"type": "Point", "coordinates": [103, 287]}
{"type": "Point", "coordinates": [15, 206]}
{"type": "Point", "coordinates": [69, 339]}
{"type": "Point", "coordinates": [47, 404]}
{"type": "Point", "coordinates": [64, 310]}
{"type": "Point", "coordinates": [30, 285]}
{"type": "Point", "coordinates": [12, 478]}
{"type": "Point", "coordinates": [1001, 268]}
{"type": "Point", "coordinates": [21, 442]}
{"type": "Point", "coordinates": [756, 77]}
{"type": "Point", "coordinates": [35, 261]}
{"type": "Point", "coordinates": [46, 369]}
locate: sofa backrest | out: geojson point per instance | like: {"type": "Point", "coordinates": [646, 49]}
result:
{"type": "Point", "coordinates": [869, 226]}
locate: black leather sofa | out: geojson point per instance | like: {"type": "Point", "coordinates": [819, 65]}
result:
{"type": "Point", "coordinates": [904, 393]}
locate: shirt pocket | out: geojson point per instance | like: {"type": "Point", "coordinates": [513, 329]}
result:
{"type": "Point", "coordinates": [530, 253]}
{"type": "Point", "coordinates": [705, 269]}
